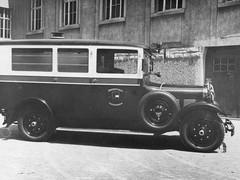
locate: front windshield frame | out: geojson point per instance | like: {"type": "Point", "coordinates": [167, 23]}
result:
{"type": "Point", "coordinates": [148, 61]}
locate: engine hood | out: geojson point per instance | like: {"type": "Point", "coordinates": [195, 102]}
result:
{"type": "Point", "coordinates": [185, 94]}
{"type": "Point", "coordinates": [174, 87]}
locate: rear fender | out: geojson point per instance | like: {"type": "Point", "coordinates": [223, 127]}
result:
{"type": "Point", "coordinates": [213, 107]}
{"type": "Point", "coordinates": [13, 114]}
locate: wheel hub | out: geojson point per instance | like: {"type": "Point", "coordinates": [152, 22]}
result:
{"type": "Point", "coordinates": [201, 132]}
{"type": "Point", "coordinates": [159, 113]}
{"type": "Point", "coordinates": [158, 110]}
{"type": "Point", "coordinates": [33, 124]}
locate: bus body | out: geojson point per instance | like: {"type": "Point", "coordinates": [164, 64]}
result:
{"type": "Point", "coordinates": [94, 84]}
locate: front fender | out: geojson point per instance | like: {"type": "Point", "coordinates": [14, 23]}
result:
{"type": "Point", "coordinates": [214, 107]}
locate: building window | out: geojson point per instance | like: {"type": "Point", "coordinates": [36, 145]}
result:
{"type": "Point", "coordinates": [5, 23]}
{"type": "Point", "coordinates": [36, 15]}
{"type": "Point", "coordinates": [224, 65]}
{"type": "Point", "coordinates": [228, 0]}
{"type": "Point", "coordinates": [112, 9]}
{"type": "Point", "coordinates": [69, 12]}
{"type": "Point", "coordinates": [226, 3]}
{"type": "Point", "coordinates": [167, 5]}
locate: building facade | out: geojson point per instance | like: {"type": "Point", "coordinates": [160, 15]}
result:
{"type": "Point", "coordinates": [174, 23]}
{"type": "Point", "coordinates": [199, 38]}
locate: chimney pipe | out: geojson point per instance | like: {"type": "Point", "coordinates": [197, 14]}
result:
{"type": "Point", "coordinates": [57, 35]}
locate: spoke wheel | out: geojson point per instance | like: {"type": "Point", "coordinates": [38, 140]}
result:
{"type": "Point", "coordinates": [202, 131]}
{"type": "Point", "coordinates": [35, 123]}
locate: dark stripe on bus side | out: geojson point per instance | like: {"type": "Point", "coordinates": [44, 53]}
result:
{"type": "Point", "coordinates": [69, 80]}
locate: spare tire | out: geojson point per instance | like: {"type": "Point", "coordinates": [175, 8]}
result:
{"type": "Point", "coordinates": [157, 110]}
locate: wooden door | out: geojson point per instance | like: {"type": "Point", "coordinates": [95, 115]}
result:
{"type": "Point", "coordinates": [222, 65]}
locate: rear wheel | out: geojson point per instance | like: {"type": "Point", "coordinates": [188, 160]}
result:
{"type": "Point", "coordinates": [202, 131]}
{"type": "Point", "coordinates": [35, 123]}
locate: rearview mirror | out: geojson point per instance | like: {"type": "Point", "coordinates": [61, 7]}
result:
{"type": "Point", "coordinates": [158, 74]}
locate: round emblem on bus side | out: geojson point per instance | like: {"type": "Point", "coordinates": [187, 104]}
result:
{"type": "Point", "coordinates": [115, 97]}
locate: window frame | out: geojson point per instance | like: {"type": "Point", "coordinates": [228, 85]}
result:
{"type": "Point", "coordinates": [24, 65]}
{"type": "Point", "coordinates": [104, 11]}
{"type": "Point", "coordinates": [228, 63]}
{"type": "Point", "coordinates": [156, 12]}
{"type": "Point", "coordinates": [60, 64]}
{"type": "Point", "coordinates": [109, 59]}
{"type": "Point", "coordinates": [63, 23]}
{"type": "Point", "coordinates": [33, 14]}
{"type": "Point", "coordinates": [5, 23]}
{"type": "Point", "coordinates": [227, 3]}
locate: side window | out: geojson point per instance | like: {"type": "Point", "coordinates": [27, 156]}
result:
{"type": "Point", "coordinates": [117, 61]}
{"type": "Point", "coordinates": [30, 59]}
{"type": "Point", "coordinates": [73, 60]}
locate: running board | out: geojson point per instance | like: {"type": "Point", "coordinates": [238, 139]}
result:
{"type": "Point", "coordinates": [109, 131]}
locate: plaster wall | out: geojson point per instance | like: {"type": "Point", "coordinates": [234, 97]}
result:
{"type": "Point", "coordinates": [87, 19]}
{"type": "Point", "coordinates": [135, 21]}
{"type": "Point", "coordinates": [166, 28]}
{"type": "Point", "coordinates": [112, 31]}
{"type": "Point", "coordinates": [180, 66]}
{"type": "Point", "coordinates": [19, 23]}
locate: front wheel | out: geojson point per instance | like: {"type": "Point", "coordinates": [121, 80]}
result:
{"type": "Point", "coordinates": [35, 123]}
{"type": "Point", "coordinates": [202, 131]}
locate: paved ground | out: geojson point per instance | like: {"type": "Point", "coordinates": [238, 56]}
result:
{"type": "Point", "coordinates": [73, 155]}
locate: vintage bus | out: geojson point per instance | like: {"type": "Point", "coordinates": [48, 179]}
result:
{"type": "Point", "coordinates": [100, 85]}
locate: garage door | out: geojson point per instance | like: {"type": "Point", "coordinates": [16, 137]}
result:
{"type": "Point", "coordinates": [222, 65]}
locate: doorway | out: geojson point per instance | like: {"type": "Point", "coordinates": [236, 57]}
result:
{"type": "Point", "coordinates": [222, 66]}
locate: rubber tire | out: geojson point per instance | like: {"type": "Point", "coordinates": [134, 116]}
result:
{"type": "Point", "coordinates": [25, 120]}
{"type": "Point", "coordinates": [202, 121]}
{"type": "Point", "coordinates": [163, 98]}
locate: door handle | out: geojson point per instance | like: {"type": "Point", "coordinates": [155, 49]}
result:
{"type": "Point", "coordinates": [55, 79]}
{"type": "Point", "coordinates": [94, 80]}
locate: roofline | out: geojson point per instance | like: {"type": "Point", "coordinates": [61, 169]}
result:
{"type": "Point", "coordinates": [90, 42]}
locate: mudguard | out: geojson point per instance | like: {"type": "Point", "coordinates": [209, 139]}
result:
{"type": "Point", "coordinates": [214, 107]}
{"type": "Point", "coordinates": [12, 114]}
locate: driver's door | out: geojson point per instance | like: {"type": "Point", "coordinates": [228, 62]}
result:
{"type": "Point", "coordinates": [116, 87]}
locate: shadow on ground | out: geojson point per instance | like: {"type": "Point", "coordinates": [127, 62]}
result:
{"type": "Point", "coordinates": [105, 139]}
{"type": "Point", "coordinates": [10, 133]}
{"type": "Point", "coordinates": [120, 140]}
